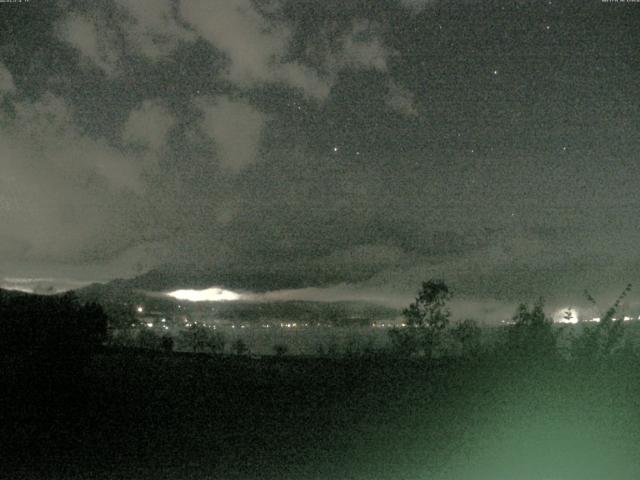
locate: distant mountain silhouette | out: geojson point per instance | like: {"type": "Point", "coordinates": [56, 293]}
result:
{"type": "Point", "coordinates": [118, 296]}
{"type": "Point", "coordinates": [288, 276]}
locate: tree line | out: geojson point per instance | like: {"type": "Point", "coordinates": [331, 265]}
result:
{"type": "Point", "coordinates": [60, 328]}
{"type": "Point", "coordinates": [57, 326]}
{"type": "Point", "coordinates": [531, 334]}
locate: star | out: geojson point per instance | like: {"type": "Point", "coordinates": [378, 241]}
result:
{"type": "Point", "coordinates": [495, 72]}
{"type": "Point", "coordinates": [335, 149]}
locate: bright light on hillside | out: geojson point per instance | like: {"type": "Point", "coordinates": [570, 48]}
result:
{"type": "Point", "coordinates": [207, 295]}
{"type": "Point", "coordinates": [566, 315]}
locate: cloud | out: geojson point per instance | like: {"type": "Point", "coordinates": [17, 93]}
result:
{"type": "Point", "coordinates": [359, 262]}
{"type": "Point", "coordinates": [64, 197]}
{"type": "Point", "coordinates": [401, 100]}
{"type": "Point", "coordinates": [258, 49]}
{"type": "Point", "coordinates": [515, 269]}
{"type": "Point", "coordinates": [417, 5]}
{"type": "Point", "coordinates": [45, 131]}
{"type": "Point", "coordinates": [147, 28]}
{"type": "Point", "coordinates": [92, 38]}
{"type": "Point", "coordinates": [256, 44]}
{"type": "Point", "coordinates": [337, 293]}
{"type": "Point", "coordinates": [49, 275]}
{"type": "Point", "coordinates": [148, 125]}
{"type": "Point", "coordinates": [152, 28]}
{"type": "Point", "coordinates": [255, 48]}
{"type": "Point", "coordinates": [362, 47]}
{"type": "Point", "coordinates": [41, 286]}
{"type": "Point", "coordinates": [6, 80]}
{"type": "Point", "coordinates": [236, 127]}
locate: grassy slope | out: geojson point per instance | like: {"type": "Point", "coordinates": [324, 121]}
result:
{"type": "Point", "coordinates": [180, 416]}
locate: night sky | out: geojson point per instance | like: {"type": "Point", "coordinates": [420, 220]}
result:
{"type": "Point", "coordinates": [353, 148]}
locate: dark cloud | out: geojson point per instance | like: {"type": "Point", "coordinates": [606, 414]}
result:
{"type": "Point", "coordinates": [360, 147]}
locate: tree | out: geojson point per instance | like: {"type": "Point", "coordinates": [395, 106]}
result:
{"type": "Point", "coordinates": [149, 340]}
{"type": "Point", "coordinates": [429, 308]}
{"type": "Point", "coordinates": [426, 318]}
{"type": "Point", "coordinates": [54, 336]}
{"type": "Point", "coordinates": [167, 343]}
{"type": "Point", "coordinates": [403, 341]}
{"type": "Point", "coordinates": [54, 326]}
{"type": "Point", "coordinates": [601, 339]}
{"type": "Point", "coordinates": [239, 347]}
{"type": "Point", "coordinates": [94, 322]}
{"type": "Point", "coordinates": [328, 348]}
{"type": "Point", "coordinates": [531, 334]}
{"type": "Point", "coordinates": [216, 342]}
{"type": "Point", "coordinates": [121, 317]}
{"type": "Point", "coordinates": [195, 337]}
{"type": "Point", "coordinates": [280, 350]}
{"type": "Point", "coordinates": [568, 315]}
{"type": "Point", "coordinates": [468, 334]}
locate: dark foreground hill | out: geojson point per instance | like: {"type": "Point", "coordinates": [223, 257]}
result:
{"type": "Point", "coordinates": [174, 416]}
{"type": "Point", "coordinates": [46, 328]}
